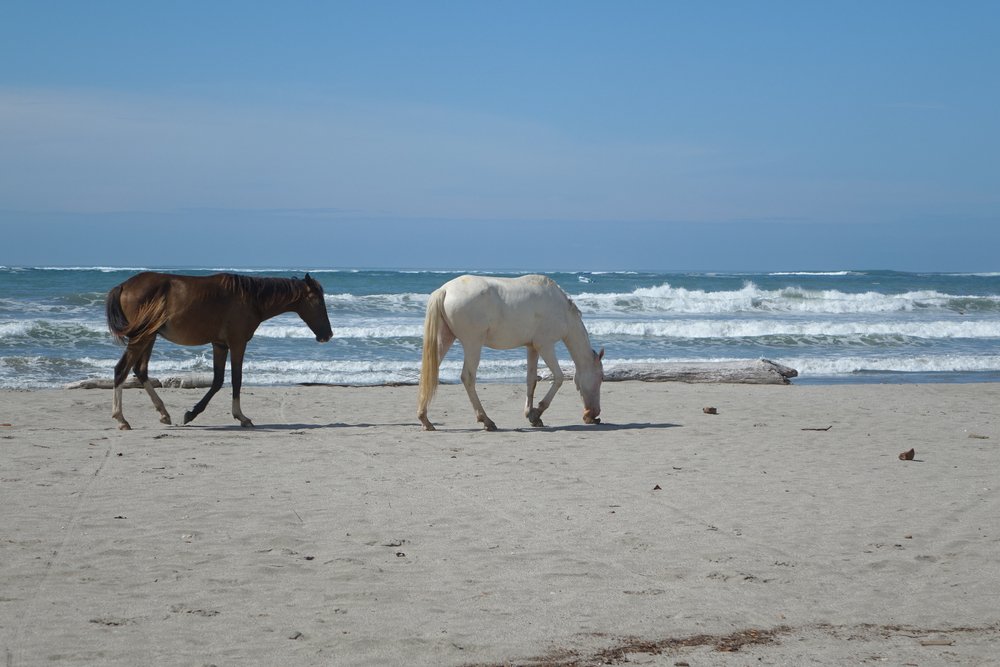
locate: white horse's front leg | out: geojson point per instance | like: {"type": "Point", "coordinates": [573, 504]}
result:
{"type": "Point", "coordinates": [548, 355]}
{"type": "Point", "coordinates": [533, 414]}
{"type": "Point", "coordinates": [469, 367]}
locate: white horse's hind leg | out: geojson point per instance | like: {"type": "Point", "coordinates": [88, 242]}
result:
{"type": "Point", "coordinates": [548, 355]}
{"type": "Point", "coordinates": [533, 414]}
{"type": "Point", "coordinates": [469, 367]}
{"type": "Point", "coordinates": [116, 409]}
{"type": "Point", "coordinates": [445, 340]}
{"type": "Point", "coordinates": [157, 402]}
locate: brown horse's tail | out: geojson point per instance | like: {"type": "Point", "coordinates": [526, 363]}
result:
{"type": "Point", "coordinates": [151, 317]}
{"type": "Point", "coordinates": [431, 359]}
{"type": "Point", "coordinates": [117, 322]}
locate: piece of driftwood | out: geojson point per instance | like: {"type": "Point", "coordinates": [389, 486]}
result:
{"type": "Point", "coordinates": [190, 381]}
{"type": "Point", "coordinates": [102, 383]}
{"type": "Point", "coordinates": [758, 371]}
{"type": "Point", "coordinates": [755, 371]}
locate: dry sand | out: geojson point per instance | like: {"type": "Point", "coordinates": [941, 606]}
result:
{"type": "Point", "coordinates": [336, 532]}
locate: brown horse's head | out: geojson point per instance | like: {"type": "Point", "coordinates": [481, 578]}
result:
{"type": "Point", "coordinates": [311, 307]}
{"type": "Point", "coordinates": [588, 379]}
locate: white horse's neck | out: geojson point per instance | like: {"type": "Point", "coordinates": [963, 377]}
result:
{"type": "Point", "coordinates": [578, 342]}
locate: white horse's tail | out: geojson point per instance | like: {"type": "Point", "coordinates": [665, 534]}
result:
{"type": "Point", "coordinates": [431, 361]}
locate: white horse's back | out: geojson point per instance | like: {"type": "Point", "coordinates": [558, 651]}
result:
{"type": "Point", "coordinates": [504, 313]}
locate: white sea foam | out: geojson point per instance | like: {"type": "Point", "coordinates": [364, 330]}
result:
{"type": "Point", "coordinates": [751, 298]}
{"type": "Point", "coordinates": [405, 302]}
{"type": "Point", "coordinates": [757, 328]}
{"type": "Point", "coordinates": [53, 330]}
{"type": "Point", "coordinates": [814, 273]}
{"type": "Point", "coordinates": [952, 363]}
{"type": "Point", "coordinates": [102, 269]}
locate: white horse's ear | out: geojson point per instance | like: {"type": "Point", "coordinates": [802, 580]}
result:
{"type": "Point", "coordinates": [600, 355]}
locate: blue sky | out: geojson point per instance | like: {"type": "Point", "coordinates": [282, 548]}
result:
{"type": "Point", "coordinates": [528, 135]}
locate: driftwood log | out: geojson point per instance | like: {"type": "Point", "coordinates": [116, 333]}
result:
{"type": "Point", "coordinates": [190, 381]}
{"type": "Point", "coordinates": [757, 371]}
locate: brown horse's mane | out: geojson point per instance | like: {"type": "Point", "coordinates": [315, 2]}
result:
{"type": "Point", "coordinates": [265, 292]}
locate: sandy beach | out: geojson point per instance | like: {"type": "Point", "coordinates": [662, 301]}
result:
{"type": "Point", "coordinates": [783, 530]}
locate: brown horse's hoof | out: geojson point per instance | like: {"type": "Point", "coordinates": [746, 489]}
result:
{"type": "Point", "coordinates": [488, 425]}
{"type": "Point", "coordinates": [188, 416]}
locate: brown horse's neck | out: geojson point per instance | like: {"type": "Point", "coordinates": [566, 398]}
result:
{"type": "Point", "coordinates": [270, 296]}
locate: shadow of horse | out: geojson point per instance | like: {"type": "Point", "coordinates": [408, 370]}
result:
{"type": "Point", "coordinates": [581, 428]}
{"type": "Point", "coordinates": [603, 426]}
{"type": "Point", "coordinates": [290, 427]}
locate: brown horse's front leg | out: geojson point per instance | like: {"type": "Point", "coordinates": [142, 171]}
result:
{"type": "Point", "coordinates": [219, 354]}
{"type": "Point", "coordinates": [142, 372]}
{"type": "Point", "coordinates": [236, 367]}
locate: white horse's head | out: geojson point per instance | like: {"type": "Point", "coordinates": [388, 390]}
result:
{"type": "Point", "coordinates": [588, 381]}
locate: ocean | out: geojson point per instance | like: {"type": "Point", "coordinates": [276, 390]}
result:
{"type": "Point", "coordinates": [832, 327]}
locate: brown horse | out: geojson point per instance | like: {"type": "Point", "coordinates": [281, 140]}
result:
{"type": "Point", "coordinates": [224, 309]}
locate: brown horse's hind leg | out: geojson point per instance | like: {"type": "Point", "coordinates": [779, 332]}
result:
{"type": "Point", "coordinates": [121, 374]}
{"type": "Point", "coordinates": [116, 409]}
{"type": "Point", "coordinates": [219, 353]}
{"type": "Point", "coordinates": [142, 372]}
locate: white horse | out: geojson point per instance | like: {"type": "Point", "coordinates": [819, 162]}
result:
{"type": "Point", "coordinates": [504, 313]}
